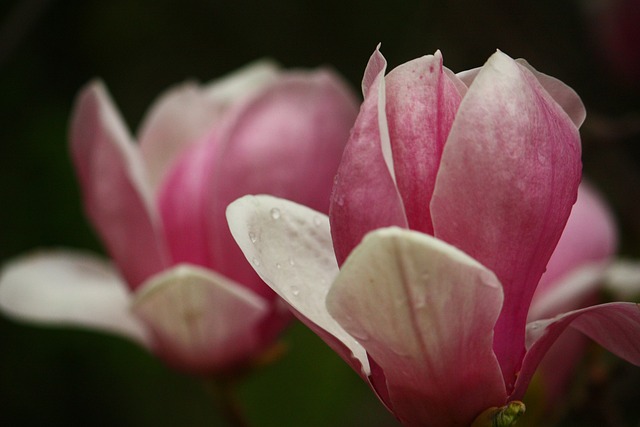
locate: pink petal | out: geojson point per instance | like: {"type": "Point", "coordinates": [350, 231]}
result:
{"type": "Point", "coordinates": [424, 312]}
{"type": "Point", "coordinates": [116, 196]}
{"type": "Point", "coordinates": [61, 288]}
{"type": "Point", "coordinates": [200, 321]}
{"type": "Point", "coordinates": [182, 202]}
{"type": "Point", "coordinates": [615, 326]}
{"type": "Point", "coordinates": [589, 236]}
{"type": "Point", "coordinates": [186, 113]}
{"type": "Point", "coordinates": [508, 178]}
{"type": "Point", "coordinates": [366, 172]}
{"type": "Point", "coordinates": [285, 141]}
{"type": "Point", "coordinates": [421, 104]}
{"type": "Point", "coordinates": [289, 245]}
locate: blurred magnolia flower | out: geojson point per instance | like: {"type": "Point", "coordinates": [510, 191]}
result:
{"type": "Point", "coordinates": [575, 275]}
{"type": "Point", "coordinates": [177, 283]}
{"type": "Point", "coordinates": [451, 197]}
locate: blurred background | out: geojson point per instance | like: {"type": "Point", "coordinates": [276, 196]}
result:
{"type": "Point", "coordinates": [49, 49]}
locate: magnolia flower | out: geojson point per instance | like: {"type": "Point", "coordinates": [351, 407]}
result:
{"type": "Point", "coordinates": [178, 284]}
{"type": "Point", "coordinates": [452, 194]}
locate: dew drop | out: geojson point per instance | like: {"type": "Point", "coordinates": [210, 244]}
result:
{"type": "Point", "coordinates": [292, 262]}
{"type": "Point", "coordinates": [317, 221]}
{"type": "Point", "coordinates": [278, 266]}
{"type": "Point", "coordinates": [253, 237]}
{"type": "Point", "coordinates": [295, 291]}
{"type": "Point", "coordinates": [275, 213]}
{"type": "Point", "coordinates": [255, 261]}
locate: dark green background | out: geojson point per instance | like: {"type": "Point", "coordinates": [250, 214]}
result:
{"type": "Point", "coordinates": [49, 49]}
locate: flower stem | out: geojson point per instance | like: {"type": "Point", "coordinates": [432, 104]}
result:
{"type": "Point", "coordinates": [223, 395]}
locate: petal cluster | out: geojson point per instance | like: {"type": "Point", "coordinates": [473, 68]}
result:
{"type": "Point", "coordinates": [451, 197]}
{"type": "Point", "coordinates": [178, 283]}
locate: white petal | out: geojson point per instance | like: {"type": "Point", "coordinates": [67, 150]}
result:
{"type": "Point", "coordinates": [290, 247]}
{"type": "Point", "coordinates": [68, 288]}
{"type": "Point", "coordinates": [201, 321]}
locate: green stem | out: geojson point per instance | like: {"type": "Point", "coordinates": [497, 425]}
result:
{"type": "Point", "coordinates": [223, 395]}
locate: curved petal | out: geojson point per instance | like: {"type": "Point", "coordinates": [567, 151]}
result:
{"type": "Point", "coordinates": [69, 288]}
{"type": "Point", "coordinates": [508, 178]}
{"type": "Point", "coordinates": [200, 321]}
{"type": "Point", "coordinates": [366, 172]}
{"type": "Point", "coordinates": [615, 326]}
{"type": "Point", "coordinates": [289, 245]}
{"type": "Point", "coordinates": [421, 104]}
{"type": "Point", "coordinates": [589, 236]}
{"type": "Point", "coordinates": [186, 113]}
{"type": "Point", "coordinates": [285, 141]}
{"type": "Point", "coordinates": [116, 196]}
{"type": "Point", "coordinates": [425, 312]}
{"type": "Point", "coordinates": [566, 97]}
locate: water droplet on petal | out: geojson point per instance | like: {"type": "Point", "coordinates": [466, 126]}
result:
{"type": "Point", "coordinates": [275, 213]}
{"type": "Point", "coordinates": [278, 266]}
{"type": "Point", "coordinates": [253, 237]}
{"type": "Point", "coordinates": [292, 262]}
{"type": "Point", "coordinates": [295, 291]}
{"type": "Point", "coordinates": [255, 261]}
{"type": "Point", "coordinates": [317, 221]}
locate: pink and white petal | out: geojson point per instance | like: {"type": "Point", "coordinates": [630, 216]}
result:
{"type": "Point", "coordinates": [289, 245]}
{"type": "Point", "coordinates": [615, 326]}
{"type": "Point", "coordinates": [200, 321]}
{"type": "Point", "coordinates": [421, 104]}
{"type": "Point", "coordinates": [566, 97]}
{"type": "Point", "coordinates": [424, 312]}
{"type": "Point", "coordinates": [116, 195]}
{"type": "Point", "coordinates": [286, 141]}
{"type": "Point", "coordinates": [508, 178]}
{"type": "Point", "coordinates": [366, 171]}
{"type": "Point", "coordinates": [589, 236]}
{"type": "Point", "coordinates": [69, 288]}
{"type": "Point", "coordinates": [186, 113]}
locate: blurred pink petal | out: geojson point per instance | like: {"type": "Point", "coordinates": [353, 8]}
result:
{"type": "Point", "coordinates": [185, 114]}
{"type": "Point", "coordinates": [116, 195]}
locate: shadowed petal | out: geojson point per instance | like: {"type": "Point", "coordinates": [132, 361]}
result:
{"type": "Point", "coordinates": [424, 312]}
{"type": "Point", "coordinates": [366, 172]}
{"type": "Point", "coordinates": [508, 178]}
{"type": "Point", "coordinates": [615, 326]}
{"type": "Point", "coordinates": [200, 321]}
{"type": "Point", "coordinates": [68, 288]}
{"type": "Point", "coordinates": [116, 195]}
{"type": "Point", "coordinates": [289, 245]}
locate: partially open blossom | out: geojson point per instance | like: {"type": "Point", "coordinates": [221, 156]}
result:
{"type": "Point", "coordinates": [177, 282]}
{"type": "Point", "coordinates": [451, 197]}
